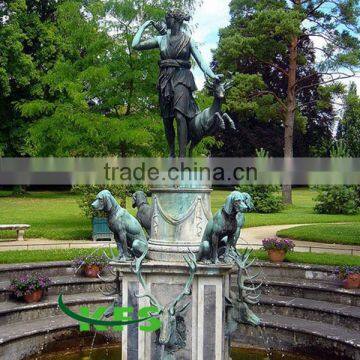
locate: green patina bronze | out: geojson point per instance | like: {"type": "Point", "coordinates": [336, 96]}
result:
{"type": "Point", "coordinates": [238, 311]}
{"type": "Point", "coordinates": [176, 83]}
{"type": "Point", "coordinates": [223, 230]}
{"type": "Point", "coordinates": [171, 336]}
{"type": "Point", "coordinates": [129, 235]}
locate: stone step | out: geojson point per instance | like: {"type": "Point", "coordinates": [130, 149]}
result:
{"type": "Point", "coordinates": [13, 332]}
{"type": "Point", "coordinates": [288, 270]}
{"type": "Point", "coordinates": [332, 332]}
{"type": "Point", "coordinates": [315, 310]}
{"type": "Point", "coordinates": [329, 291]}
{"type": "Point", "coordinates": [16, 311]}
{"type": "Point", "coordinates": [62, 284]}
{"type": "Point", "coordinates": [295, 271]}
{"type": "Point", "coordinates": [51, 269]}
{"type": "Point", "coordinates": [301, 336]}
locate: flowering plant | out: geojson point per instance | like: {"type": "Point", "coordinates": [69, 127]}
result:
{"type": "Point", "coordinates": [276, 243]}
{"type": "Point", "coordinates": [92, 260]}
{"type": "Point", "coordinates": [26, 284]}
{"type": "Point", "coordinates": [342, 272]}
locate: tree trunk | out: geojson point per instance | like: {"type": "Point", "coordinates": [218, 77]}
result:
{"type": "Point", "coordinates": [131, 93]}
{"type": "Point", "coordinates": [290, 114]}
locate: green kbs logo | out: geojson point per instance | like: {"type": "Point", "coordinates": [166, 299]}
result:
{"type": "Point", "coordinates": [121, 318]}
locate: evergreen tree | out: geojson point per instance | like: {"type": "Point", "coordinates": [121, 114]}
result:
{"type": "Point", "coordinates": [257, 129]}
{"type": "Point", "coordinates": [349, 126]}
{"type": "Point", "coordinates": [266, 30]}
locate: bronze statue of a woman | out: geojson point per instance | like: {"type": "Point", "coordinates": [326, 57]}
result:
{"type": "Point", "coordinates": [176, 81]}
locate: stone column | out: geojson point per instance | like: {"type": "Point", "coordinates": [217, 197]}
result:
{"type": "Point", "coordinates": [204, 319]}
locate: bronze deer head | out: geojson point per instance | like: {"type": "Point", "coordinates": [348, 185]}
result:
{"type": "Point", "coordinates": [172, 334]}
{"type": "Point", "coordinates": [239, 312]}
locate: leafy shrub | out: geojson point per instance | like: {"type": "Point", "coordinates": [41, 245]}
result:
{"type": "Point", "coordinates": [276, 243]}
{"type": "Point", "coordinates": [336, 199]}
{"type": "Point", "coordinates": [264, 197]}
{"type": "Point", "coordinates": [26, 284]}
{"type": "Point", "coordinates": [88, 195]}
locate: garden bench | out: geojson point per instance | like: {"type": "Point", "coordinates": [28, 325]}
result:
{"type": "Point", "coordinates": [20, 229]}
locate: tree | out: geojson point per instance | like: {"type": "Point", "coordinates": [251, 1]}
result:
{"type": "Point", "coordinates": [76, 88]}
{"type": "Point", "coordinates": [257, 129]}
{"type": "Point", "coordinates": [28, 48]}
{"type": "Point", "coordinates": [265, 30]}
{"type": "Point", "coordinates": [349, 126]}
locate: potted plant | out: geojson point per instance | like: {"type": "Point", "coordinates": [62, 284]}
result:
{"type": "Point", "coordinates": [350, 276]}
{"type": "Point", "coordinates": [91, 265]}
{"type": "Point", "coordinates": [29, 287]}
{"type": "Point", "coordinates": [277, 248]}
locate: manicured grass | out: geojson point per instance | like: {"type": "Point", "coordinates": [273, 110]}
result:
{"type": "Point", "coordinates": [54, 215]}
{"type": "Point", "coordinates": [348, 234]}
{"type": "Point", "coordinates": [28, 256]}
{"type": "Point", "coordinates": [51, 216]}
{"type": "Point", "coordinates": [301, 212]}
{"type": "Point", "coordinates": [33, 256]}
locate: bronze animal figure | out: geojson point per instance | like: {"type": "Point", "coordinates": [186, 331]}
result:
{"type": "Point", "coordinates": [238, 311]}
{"type": "Point", "coordinates": [211, 120]}
{"type": "Point", "coordinates": [223, 230]}
{"type": "Point", "coordinates": [172, 334]}
{"type": "Point", "coordinates": [145, 211]}
{"type": "Point", "coordinates": [129, 235]}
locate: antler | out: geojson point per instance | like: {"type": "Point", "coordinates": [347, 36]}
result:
{"type": "Point", "coordinates": [242, 262]}
{"type": "Point", "coordinates": [147, 293]}
{"type": "Point", "coordinates": [191, 261]}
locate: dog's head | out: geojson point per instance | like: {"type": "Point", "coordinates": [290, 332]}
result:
{"type": "Point", "coordinates": [138, 199]}
{"type": "Point", "coordinates": [238, 202]}
{"type": "Point", "coordinates": [104, 201]}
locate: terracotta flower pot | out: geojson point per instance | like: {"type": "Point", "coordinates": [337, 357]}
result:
{"type": "Point", "coordinates": [276, 255]}
{"type": "Point", "coordinates": [92, 271]}
{"type": "Point", "coordinates": [352, 281]}
{"type": "Point", "coordinates": [358, 278]}
{"type": "Point", "coordinates": [34, 296]}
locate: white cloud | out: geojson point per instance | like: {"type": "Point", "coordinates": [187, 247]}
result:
{"type": "Point", "coordinates": [208, 18]}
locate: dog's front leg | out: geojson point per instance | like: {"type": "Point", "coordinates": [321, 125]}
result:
{"type": "Point", "coordinates": [119, 246]}
{"type": "Point", "coordinates": [215, 243]}
{"type": "Point", "coordinates": [125, 252]}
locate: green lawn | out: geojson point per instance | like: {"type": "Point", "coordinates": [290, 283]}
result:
{"type": "Point", "coordinates": [57, 216]}
{"type": "Point", "coordinates": [28, 256]}
{"type": "Point", "coordinates": [348, 234]}
{"type": "Point", "coordinates": [301, 212]}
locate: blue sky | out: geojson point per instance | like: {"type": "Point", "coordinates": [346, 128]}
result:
{"type": "Point", "coordinates": [208, 18]}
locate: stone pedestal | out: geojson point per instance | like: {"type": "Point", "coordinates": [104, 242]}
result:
{"type": "Point", "coordinates": [204, 318]}
{"type": "Point", "coordinates": [179, 220]}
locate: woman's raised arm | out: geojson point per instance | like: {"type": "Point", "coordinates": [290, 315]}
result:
{"type": "Point", "coordinates": [202, 63]}
{"type": "Point", "coordinates": [137, 44]}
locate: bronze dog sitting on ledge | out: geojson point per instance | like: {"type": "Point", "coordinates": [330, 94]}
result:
{"type": "Point", "coordinates": [129, 235]}
{"type": "Point", "coordinates": [223, 230]}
